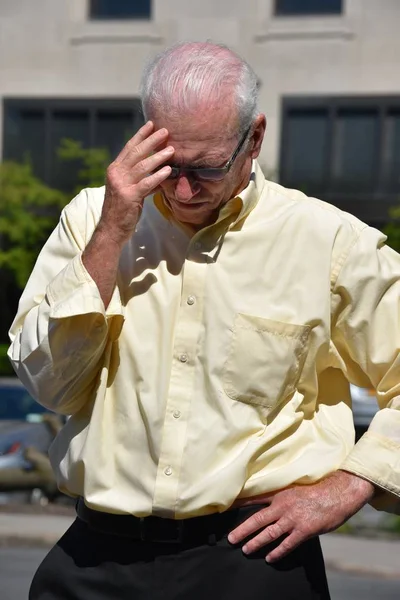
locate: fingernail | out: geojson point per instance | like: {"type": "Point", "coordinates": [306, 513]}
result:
{"type": "Point", "coordinates": [231, 539]}
{"type": "Point", "coordinates": [245, 549]}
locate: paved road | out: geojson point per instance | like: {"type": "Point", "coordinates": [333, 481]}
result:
{"type": "Point", "coordinates": [17, 566]}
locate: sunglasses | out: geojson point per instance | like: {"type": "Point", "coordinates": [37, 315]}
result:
{"type": "Point", "coordinates": [209, 173]}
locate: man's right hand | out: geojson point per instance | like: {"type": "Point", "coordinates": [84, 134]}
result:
{"type": "Point", "coordinates": [132, 176]}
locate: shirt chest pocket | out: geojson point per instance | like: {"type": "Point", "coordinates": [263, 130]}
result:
{"type": "Point", "coordinates": [265, 360]}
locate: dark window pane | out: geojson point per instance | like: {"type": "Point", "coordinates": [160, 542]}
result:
{"type": "Point", "coordinates": [24, 137]}
{"type": "Point", "coordinates": [36, 129]}
{"type": "Point", "coordinates": [120, 9]}
{"type": "Point", "coordinates": [305, 150]}
{"type": "Point", "coordinates": [113, 130]}
{"type": "Point", "coordinates": [355, 150]}
{"type": "Point", "coordinates": [73, 125]}
{"type": "Point", "coordinates": [392, 162]}
{"type": "Point", "coordinates": [308, 7]}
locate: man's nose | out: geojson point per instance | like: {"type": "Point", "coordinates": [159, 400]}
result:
{"type": "Point", "coordinates": [186, 188]}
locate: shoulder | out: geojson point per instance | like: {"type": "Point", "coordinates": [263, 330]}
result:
{"type": "Point", "coordinates": [83, 212]}
{"type": "Point", "coordinates": [88, 200]}
{"type": "Point", "coordinates": [319, 225]}
{"type": "Point", "coordinates": [316, 218]}
{"type": "Point", "coordinates": [313, 211]}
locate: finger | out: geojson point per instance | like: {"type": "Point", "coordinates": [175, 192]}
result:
{"type": "Point", "coordinates": [150, 164]}
{"type": "Point", "coordinates": [286, 546]}
{"type": "Point", "coordinates": [136, 152]}
{"type": "Point", "coordinates": [261, 499]}
{"type": "Point", "coordinates": [148, 184]}
{"type": "Point", "coordinates": [139, 136]}
{"type": "Point", "coordinates": [268, 535]}
{"type": "Point", "coordinates": [260, 519]}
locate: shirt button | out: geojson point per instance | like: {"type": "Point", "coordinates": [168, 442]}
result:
{"type": "Point", "coordinates": [168, 471]}
{"type": "Point", "coordinates": [191, 300]}
{"type": "Point", "coordinates": [183, 358]}
{"type": "Point", "coordinates": [176, 414]}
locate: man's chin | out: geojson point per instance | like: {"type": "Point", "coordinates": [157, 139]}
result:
{"type": "Point", "coordinates": [192, 216]}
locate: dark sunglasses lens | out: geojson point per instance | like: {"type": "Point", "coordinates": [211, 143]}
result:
{"type": "Point", "coordinates": [202, 174]}
{"type": "Point", "coordinates": [210, 174]}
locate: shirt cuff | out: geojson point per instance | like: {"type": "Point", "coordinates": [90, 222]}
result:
{"type": "Point", "coordinates": [73, 292]}
{"type": "Point", "coordinates": [375, 457]}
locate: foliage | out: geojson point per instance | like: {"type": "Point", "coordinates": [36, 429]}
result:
{"type": "Point", "coordinates": [345, 529]}
{"type": "Point", "coordinates": [392, 229]}
{"type": "Point", "coordinates": [28, 212]}
{"type": "Point", "coordinates": [93, 161]}
{"type": "Point", "coordinates": [393, 524]}
{"type": "Point", "coordinates": [29, 209]}
{"type": "Point", "coordinates": [5, 365]}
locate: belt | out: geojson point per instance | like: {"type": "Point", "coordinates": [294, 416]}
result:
{"type": "Point", "coordinates": [194, 531]}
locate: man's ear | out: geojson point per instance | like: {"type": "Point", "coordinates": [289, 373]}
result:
{"type": "Point", "coordinates": [259, 127]}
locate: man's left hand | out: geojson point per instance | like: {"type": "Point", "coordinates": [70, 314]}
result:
{"type": "Point", "coordinates": [302, 512]}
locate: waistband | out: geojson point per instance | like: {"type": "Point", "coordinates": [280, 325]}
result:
{"type": "Point", "coordinates": [194, 531]}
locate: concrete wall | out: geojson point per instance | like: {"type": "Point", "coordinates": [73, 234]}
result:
{"type": "Point", "coordinates": [48, 48]}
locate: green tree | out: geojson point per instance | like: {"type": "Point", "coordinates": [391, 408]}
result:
{"type": "Point", "coordinates": [29, 210]}
{"type": "Point", "coordinates": [93, 162]}
{"type": "Point", "coordinates": [392, 229]}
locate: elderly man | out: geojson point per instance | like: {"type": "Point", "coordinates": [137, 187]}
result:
{"type": "Point", "coordinates": [200, 325]}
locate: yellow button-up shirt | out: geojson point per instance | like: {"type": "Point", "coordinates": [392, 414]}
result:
{"type": "Point", "coordinates": [220, 368]}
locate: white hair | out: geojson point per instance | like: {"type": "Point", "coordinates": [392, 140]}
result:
{"type": "Point", "coordinates": [190, 74]}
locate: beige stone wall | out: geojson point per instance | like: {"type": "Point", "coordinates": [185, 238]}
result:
{"type": "Point", "coordinates": [48, 48]}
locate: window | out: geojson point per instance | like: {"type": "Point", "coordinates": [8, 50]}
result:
{"type": "Point", "coordinates": [120, 9]}
{"type": "Point", "coordinates": [355, 150]}
{"type": "Point", "coordinates": [34, 129]}
{"type": "Point", "coordinates": [308, 7]}
{"type": "Point", "coordinates": [345, 151]}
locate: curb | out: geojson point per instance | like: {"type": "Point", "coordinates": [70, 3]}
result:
{"type": "Point", "coordinates": [32, 530]}
{"type": "Point", "coordinates": [16, 541]}
{"type": "Point", "coordinates": [362, 570]}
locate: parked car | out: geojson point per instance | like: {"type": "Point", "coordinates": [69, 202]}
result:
{"type": "Point", "coordinates": [365, 406]}
{"type": "Point", "coordinates": [26, 432]}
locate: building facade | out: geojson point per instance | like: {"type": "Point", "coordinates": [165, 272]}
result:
{"type": "Point", "coordinates": [328, 68]}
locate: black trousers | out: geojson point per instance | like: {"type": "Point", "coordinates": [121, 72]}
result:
{"type": "Point", "coordinates": [90, 565]}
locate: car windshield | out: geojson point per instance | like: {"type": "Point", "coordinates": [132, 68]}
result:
{"type": "Point", "coordinates": [17, 403]}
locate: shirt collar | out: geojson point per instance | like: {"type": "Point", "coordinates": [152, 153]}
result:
{"type": "Point", "coordinates": [231, 216]}
{"type": "Point", "coordinates": [250, 195]}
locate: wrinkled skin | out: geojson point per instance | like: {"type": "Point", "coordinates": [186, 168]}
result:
{"type": "Point", "coordinates": [302, 512]}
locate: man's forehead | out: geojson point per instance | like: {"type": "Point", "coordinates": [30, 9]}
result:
{"type": "Point", "coordinates": [200, 139]}
{"type": "Point", "coordinates": [198, 135]}
{"type": "Point", "coordinates": [196, 129]}
{"type": "Point", "coordinates": [206, 123]}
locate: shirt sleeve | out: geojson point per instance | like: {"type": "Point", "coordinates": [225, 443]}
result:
{"type": "Point", "coordinates": [366, 334]}
{"type": "Point", "coordinates": [62, 331]}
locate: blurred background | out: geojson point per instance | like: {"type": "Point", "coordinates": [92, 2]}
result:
{"type": "Point", "coordinates": [69, 80]}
